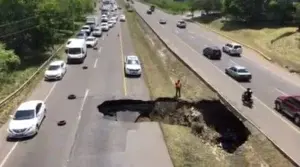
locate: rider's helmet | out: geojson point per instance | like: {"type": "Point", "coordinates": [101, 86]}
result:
{"type": "Point", "coordinates": [249, 90]}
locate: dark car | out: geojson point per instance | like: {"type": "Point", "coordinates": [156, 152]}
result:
{"type": "Point", "coordinates": [149, 11]}
{"type": "Point", "coordinates": [152, 8]}
{"type": "Point", "coordinates": [181, 24]}
{"type": "Point", "coordinates": [290, 105]}
{"type": "Point", "coordinates": [212, 52]}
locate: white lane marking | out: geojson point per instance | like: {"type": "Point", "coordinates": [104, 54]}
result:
{"type": "Point", "coordinates": [272, 111]}
{"type": "Point", "coordinates": [176, 31]}
{"type": "Point", "coordinates": [16, 144]}
{"type": "Point", "coordinates": [103, 37]}
{"type": "Point", "coordinates": [234, 63]}
{"type": "Point", "coordinates": [191, 36]}
{"type": "Point", "coordinates": [280, 91]}
{"type": "Point", "coordinates": [99, 50]}
{"type": "Point", "coordinates": [8, 154]}
{"type": "Point", "coordinates": [205, 45]}
{"type": "Point", "coordinates": [50, 91]}
{"type": "Point", "coordinates": [162, 26]}
{"type": "Point", "coordinates": [83, 101]}
{"type": "Point", "coordinates": [95, 64]}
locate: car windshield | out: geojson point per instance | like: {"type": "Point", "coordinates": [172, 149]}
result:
{"type": "Point", "coordinates": [24, 114]}
{"type": "Point", "coordinates": [74, 50]}
{"type": "Point", "coordinates": [237, 47]}
{"type": "Point", "coordinates": [133, 62]}
{"type": "Point", "coordinates": [80, 35]}
{"type": "Point", "coordinates": [53, 67]}
{"type": "Point", "coordinates": [90, 39]}
{"type": "Point", "coordinates": [243, 71]}
{"type": "Point", "coordinates": [97, 29]}
{"type": "Point", "coordinates": [85, 28]}
{"type": "Point", "coordinates": [103, 24]}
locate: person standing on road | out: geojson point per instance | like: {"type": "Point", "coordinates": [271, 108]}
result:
{"type": "Point", "coordinates": [178, 88]}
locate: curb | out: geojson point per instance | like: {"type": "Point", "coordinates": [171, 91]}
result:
{"type": "Point", "coordinates": [234, 110]}
{"type": "Point", "coordinates": [242, 43]}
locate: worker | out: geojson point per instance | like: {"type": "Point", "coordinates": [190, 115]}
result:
{"type": "Point", "coordinates": [178, 88]}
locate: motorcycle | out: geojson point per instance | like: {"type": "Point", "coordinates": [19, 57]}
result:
{"type": "Point", "coordinates": [247, 101]}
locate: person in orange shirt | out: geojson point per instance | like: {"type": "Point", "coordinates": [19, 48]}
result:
{"type": "Point", "coordinates": [178, 88]}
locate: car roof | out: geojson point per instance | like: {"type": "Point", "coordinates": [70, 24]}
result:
{"type": "Point", "coordinates": [239, 67]}
{"type": "Point", "coordinates": [132, 57]}
{"type": "Point", "coordinates": [91, 37]}
{"type": "Point", "coordinates": [56, 62]}
{"type": "Point", "coordinates": [86, 26]}
{"type": "Point", "coordinates": [29, 105]}
{"type": "Point", "coordinates": [214, 47]}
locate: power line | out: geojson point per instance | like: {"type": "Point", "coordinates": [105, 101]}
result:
{"type": "Point", "coordinates": [17, 32]}
{"type": "Point", "coordinates": [18, 21]}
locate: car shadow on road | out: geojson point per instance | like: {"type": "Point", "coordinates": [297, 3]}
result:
{"type": "Point", "coordinates": [232, 132]}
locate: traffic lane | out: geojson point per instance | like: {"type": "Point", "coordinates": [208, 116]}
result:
{"type": "Point", "coordinates": [52, 145]}
{"type": "Point", "coordinates": [135, 87]}
{"type": "Point", "coordinates": [107, 77]}
{"type": "Point", "coordinates": [266, 84]}
{"type": "Point", "coordinates": [100, 141]}
{"type": "Point", "coordinates": [249, 55]}
{"type": "Point", "coordinates": [264, 89]}
{"type": "Point", "coordinates": [42, 91]}
{"type": "Point", "coordinates": [261, 115]}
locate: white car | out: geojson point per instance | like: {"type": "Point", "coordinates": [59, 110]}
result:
{"type": "Point", "coordinates": [122, 18]}
{"type": "Point", "coordinates": [91, 41]}
{"type": "Point", "coordinates": [56, 70]}
{"type": "Point", "coordinates": [97, 31]}
{"type": "Point", "coordinates": [27, 119]}
{"type": "Point", "coordinates": [104, 18]}
{"type": "Point", "coordinates": [104, 26]}
{"type": "Point", "coordinates": [232, 49]}
{"type": "Point", "coordinates": [132, 66]}
{"type": "Point", "coordinates": [87, 29]}
{"type": "Point", "coordinates": [110, 24]}
{"type": "Point", "coordinates": [238, 73]}
{"type": "Point", "coordinates": [113, 20]}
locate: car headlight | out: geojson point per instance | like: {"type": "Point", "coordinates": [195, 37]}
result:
{"type": "Point", "coordinates": [33, 127]}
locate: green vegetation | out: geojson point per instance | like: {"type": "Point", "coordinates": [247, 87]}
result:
{"type": "Point", "coordinates": [30, 32]}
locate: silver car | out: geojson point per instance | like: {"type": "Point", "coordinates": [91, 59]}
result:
{"type": "Point", "coordinates": [238, 73]}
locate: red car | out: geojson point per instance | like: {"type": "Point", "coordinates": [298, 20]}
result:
{"type": "Point", "coordinates": [289, 105]}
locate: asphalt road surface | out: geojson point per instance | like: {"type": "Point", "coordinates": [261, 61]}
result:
{"type": "Point", "coordinates": [89, 139]}
{"type": "Point", "coordinates": [269, 81]}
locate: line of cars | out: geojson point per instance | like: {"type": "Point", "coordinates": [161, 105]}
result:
{"type": "Point", "coordinates": [27, 119]}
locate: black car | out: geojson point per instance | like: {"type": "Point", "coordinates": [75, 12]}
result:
{"type": "Point", "coordinates": [149, 12]}
{"type": "Point", "coordinates": [212, 52]}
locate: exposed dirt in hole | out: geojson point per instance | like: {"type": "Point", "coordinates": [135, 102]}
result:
{"type": "Point", "coordinates": [208, 119]}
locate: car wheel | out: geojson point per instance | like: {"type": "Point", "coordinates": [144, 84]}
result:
{"type": "Point", "coordinates": [277, 106]}
{"type": "Point", "coordinates": [223, 49]}
{"type": "Point", "coordinates": [297, 120]}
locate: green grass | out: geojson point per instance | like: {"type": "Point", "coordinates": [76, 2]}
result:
{"type": "Point", "coordinates": [282, 44]}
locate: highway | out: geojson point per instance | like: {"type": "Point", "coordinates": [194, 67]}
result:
{"type": "Point", "coordinates": [269, 81]}
{"type": "Point", "coordinates": [89, 139]}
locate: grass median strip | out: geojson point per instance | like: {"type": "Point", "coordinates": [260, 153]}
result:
{"type": "Point", "coordinates": [189, 143]}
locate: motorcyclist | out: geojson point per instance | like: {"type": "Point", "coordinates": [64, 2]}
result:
{"type": "Point", "coordinates": [248, 94]}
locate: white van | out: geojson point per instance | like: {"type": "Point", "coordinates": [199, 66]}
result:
{"type": "Point", "coordinates": [77, 50]}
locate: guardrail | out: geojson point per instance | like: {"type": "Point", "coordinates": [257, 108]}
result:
{"type": "Point", "coordinates": [12, 95]}
{"type": "Point", "coordinates": [232, 108]}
